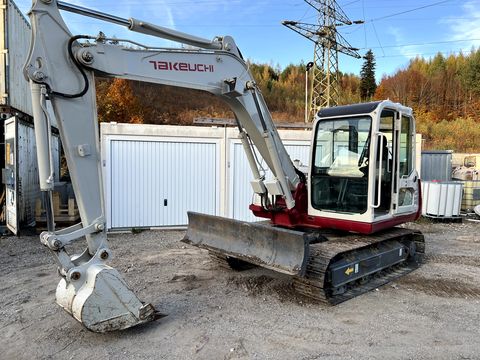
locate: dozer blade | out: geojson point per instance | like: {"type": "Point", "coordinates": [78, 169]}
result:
{"type": "Point", "coordinates": [102, 301]}
{"type": "Point", "coordinates": [281, 250]}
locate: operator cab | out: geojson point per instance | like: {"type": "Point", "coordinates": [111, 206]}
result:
{"type": "Point", "coordinates": [363, 166]}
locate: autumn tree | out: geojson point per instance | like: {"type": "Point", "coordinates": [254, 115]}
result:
{"type": "Point", "coordinates": [367, 76]}
{"type": "Point", "coordinates": [444, 92]}
{"type": "Point", "coordinates": [349, 85]}
{"type": "Point", "coordinates": [117, 102]}
{"type": "Point", "coordinates": [283, 90]}
{"type": "Point", "coordinates": [446, 86]}
{"type": "Point", "coordinates": [471, 74]}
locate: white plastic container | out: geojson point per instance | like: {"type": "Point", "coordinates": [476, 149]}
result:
{"type": "Point", "coordinates": [441, 199]}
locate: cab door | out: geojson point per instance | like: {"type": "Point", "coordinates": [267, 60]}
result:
{"type": "Point", "coordinates": [406, 186]}
{"type": "Point", "coordinates": [384, 155]}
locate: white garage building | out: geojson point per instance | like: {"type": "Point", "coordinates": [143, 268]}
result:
{"type": "Point", "coordinates": [154, 174]}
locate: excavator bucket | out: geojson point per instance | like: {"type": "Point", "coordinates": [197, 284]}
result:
{"type": "Point", "coordinates": [103, 302]}
{"type": "Point", "coordinates": [281, 250]}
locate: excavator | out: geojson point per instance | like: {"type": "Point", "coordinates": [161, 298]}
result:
{"type": "Point", "coordinates": [335, 229]}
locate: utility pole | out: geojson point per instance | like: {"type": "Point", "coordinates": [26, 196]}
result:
{"type": "Point", "coordinates": [307, 71]}
{"type": "Point", "coordinates": [328, 42]}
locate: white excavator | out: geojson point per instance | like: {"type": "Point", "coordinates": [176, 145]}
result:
{"type": "Point", "coordinates": [333, 228]}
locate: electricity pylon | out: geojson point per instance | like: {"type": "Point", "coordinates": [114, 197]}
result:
{"type": "Point", "coordinates": [328, 42]}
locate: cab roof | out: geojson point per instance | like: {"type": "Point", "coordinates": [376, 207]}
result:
{"type": "Point", "coordinates": [363, 108]}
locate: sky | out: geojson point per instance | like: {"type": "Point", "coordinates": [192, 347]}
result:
{"type": "Point", "coordinates": [395, 31]}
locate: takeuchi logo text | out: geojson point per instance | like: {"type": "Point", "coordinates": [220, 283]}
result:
{"type": "Point", "coordinates": [181, 66]}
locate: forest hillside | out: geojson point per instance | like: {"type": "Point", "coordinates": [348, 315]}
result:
{"type": "Point", "coordinates": [443, 91]}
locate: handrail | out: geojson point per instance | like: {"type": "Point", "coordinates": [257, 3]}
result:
{"type": "Point", "coordinates": [380, 160]}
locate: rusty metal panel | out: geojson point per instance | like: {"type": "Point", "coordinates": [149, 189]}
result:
{"type": "Point", "coordinates": [14, 44]}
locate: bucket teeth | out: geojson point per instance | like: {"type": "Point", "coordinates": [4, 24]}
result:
{"type": "Point", "coordinates": [103, 302]}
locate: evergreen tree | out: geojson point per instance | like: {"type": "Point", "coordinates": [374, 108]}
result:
{"type": "Point", "coordinates": [367, 75]}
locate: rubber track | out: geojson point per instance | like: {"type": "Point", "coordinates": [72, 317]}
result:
{"type": "Point", "coordinates": [322, 254]}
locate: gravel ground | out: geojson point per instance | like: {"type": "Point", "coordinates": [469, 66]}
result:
{"type": "Point", "coordinates": [432, 313]}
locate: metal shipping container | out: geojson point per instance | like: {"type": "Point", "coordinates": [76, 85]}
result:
{"type": "Point", "coordinates": [436, 165]}
{"type": "Point", "coordinates": [14, 45]}
{"type": "Point", "coordinates": [21, 172]}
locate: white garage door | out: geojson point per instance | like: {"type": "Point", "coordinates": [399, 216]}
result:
{"type": "Point", "coordinates": [240, 190]}
{"type": "Point", "coordinates": [152, 182]}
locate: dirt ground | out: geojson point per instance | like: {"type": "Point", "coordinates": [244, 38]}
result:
{"type": "Point", "coordinates": [433, 313]}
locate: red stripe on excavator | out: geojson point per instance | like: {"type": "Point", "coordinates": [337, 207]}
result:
{"type": "Point", "coordinates": [293, 219]}
{"type": "Point", "coordinates": [299, 218]}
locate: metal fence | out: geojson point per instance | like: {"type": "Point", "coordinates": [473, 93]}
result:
{"type": "Point", "coordinates": [436, 165]}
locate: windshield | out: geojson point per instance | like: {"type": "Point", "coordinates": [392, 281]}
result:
{"type": "Point", "coordinates": [339, 174]}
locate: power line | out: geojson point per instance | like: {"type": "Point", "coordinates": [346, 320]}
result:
{"type": "Point", "coordinates": [378, 39]}
{"type": "Point", "coordinates": [218, 25]}
{"type": "Point", "coordinates": [364, 27]}
{"type": "Point", "coordinates": [403, 4]}
{"type": "Point", "coordinates": [450, 52]}
{"type": "Point", "coordinates": [403, 19]}
{"type": "Point", "coordinates": [408, 11]}
{"type": "Point", "coordinates": [351, 2]}
{"type": "Point", "coordinates": [354, 30]}
{"type": "Point", "coordinates": [424, 43]}
{"type": "Point", "coordinates": [305, 14]}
